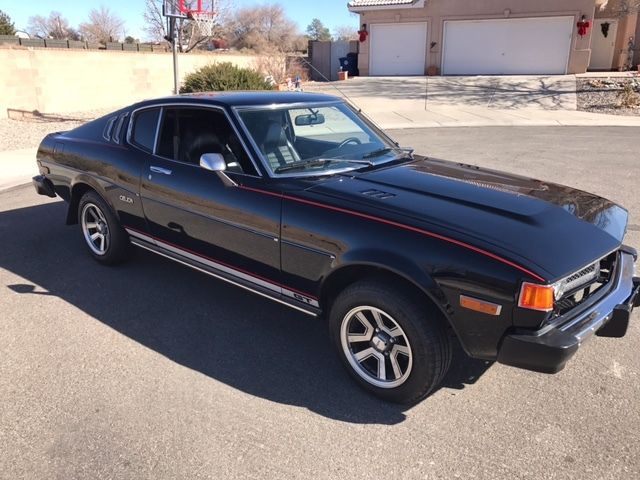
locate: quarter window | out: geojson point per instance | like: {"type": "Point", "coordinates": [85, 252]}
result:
{"type": "Point", "coordinates": [145, 124]}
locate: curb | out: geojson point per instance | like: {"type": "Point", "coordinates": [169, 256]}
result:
{"type": "Point", "coordinates": [12, 187]}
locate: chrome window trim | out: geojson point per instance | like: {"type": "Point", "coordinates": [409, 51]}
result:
{"type": "Point", "coordinates": [163, 108]}
{"type": "Point", "coordinates": [130, 129]}
{"type": "Point", "coordinates": [157, 135]}
{"type": "Point", "coordinates": [278, 106]}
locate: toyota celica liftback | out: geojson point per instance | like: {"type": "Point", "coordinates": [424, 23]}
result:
{"type": "Point", "coordinates": [299, 198]}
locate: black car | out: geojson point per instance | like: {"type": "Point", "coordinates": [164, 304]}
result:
{"type": "Point", "coordinates": [301, 199]}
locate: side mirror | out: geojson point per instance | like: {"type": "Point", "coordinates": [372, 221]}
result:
{"type": "Point", "coordinates": [214, 162]}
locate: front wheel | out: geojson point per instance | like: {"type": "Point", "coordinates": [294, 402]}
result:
{"type": "Point", "coordinates": [394, 345]}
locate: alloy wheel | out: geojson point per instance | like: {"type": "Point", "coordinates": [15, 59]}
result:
{"type": "Point", "coordinates": [376, 347]}
{"type": "Point", "coordinates": [95, 228]}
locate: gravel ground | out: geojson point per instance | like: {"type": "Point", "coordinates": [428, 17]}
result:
{"type": "Point", "coordinates": [27, 133]}
{"type": "Point", "coordinates": [601, 96]}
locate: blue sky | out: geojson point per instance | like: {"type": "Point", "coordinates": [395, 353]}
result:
{"type": "Point", "coordinates": [333, 13]}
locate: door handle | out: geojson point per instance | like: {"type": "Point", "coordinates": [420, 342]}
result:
{"type": "Point", "coordinates": [176, 227]}
{"type": "Point", "coordinates": [163, 171]}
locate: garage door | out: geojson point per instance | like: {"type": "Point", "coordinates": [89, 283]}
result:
{"type": "Point", "coordinates": [508, 46]}
{"type": "Point", "coordinates": [398, 49]}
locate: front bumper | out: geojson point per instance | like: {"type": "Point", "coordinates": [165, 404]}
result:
{"type": "Point", "coordinates": [548, 349]}
{"type": "Point", "coordinates": [43, 186]}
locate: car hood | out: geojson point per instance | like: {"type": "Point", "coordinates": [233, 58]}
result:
{"type": "Point", "coordinates": [552, 229]}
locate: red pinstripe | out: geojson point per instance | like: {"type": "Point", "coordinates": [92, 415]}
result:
{"type": "Point", "coordinates": [404, 227]}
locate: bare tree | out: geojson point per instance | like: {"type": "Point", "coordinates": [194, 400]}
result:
{"type": "Point", "coordinates": [263, 28]}
{"type": "Point", "coordinates": [188, 33]}
{"type": "Point", "coordinates": [53, 26]}
{"type": "Point", "coordinates": [345, 33]}
{"type": "Point", "coordinates": [154, 22]}
{"type": "Point", "coordinates": [103, 26]}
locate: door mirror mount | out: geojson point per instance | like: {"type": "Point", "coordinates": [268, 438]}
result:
{"type": "Point", "coordinates": [214, 162]}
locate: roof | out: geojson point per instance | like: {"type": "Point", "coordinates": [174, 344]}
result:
{"type": "Point", "coordinates": [244, 99]}
{"type": "Point", "coordinates": [379, 3]}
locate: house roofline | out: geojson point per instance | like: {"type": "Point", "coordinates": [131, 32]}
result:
{"type": "Point", "coordinates": [368, 8]}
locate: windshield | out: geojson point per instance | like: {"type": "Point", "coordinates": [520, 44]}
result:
{"type": "Point", "coordinates": [315, 140]}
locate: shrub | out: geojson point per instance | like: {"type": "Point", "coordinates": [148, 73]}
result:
{"type": "Point", "coordinates": [628, 97]}
{"type": "Point", "coordinates": [223, 76]}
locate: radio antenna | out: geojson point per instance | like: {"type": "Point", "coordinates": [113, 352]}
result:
{"type": "Point", "coordinates": [332, 84]}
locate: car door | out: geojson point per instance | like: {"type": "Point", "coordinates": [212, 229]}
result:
{"type": "Point", "coordinates": [192, 213]}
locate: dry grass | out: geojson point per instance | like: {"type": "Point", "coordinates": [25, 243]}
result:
{"type": "Point", "coordinates": [628, 96]}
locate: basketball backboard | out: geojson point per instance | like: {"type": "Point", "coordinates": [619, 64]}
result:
{"type": "Point", "coordinates": [188, 8]}
{"type": "Point", "coordinates": [173, 9]}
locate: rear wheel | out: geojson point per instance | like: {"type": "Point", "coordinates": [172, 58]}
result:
{"type": "Point", "coordinates": [107, 241]}
{"type": "Point", "coordinates": [394, 345]}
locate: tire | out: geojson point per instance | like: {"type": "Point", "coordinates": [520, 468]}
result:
{"type": "Point", "coordinates": [412, 334]}
{"type": "Point", "coordinates": [111, 245]}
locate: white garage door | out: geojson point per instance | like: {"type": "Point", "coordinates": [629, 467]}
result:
{"type": "Point", "coordinates": [522, 46]}
{"type": "Point", "coordinates": [398, 49]}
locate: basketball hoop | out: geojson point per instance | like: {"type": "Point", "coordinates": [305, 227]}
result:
{"type": "Point", "coordinates": [203, 14]}
{"type": "Point", "coordinates": [205, 22]}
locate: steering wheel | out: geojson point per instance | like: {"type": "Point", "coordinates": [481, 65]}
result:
{"type": "Point", "coordinates": [349, 140]}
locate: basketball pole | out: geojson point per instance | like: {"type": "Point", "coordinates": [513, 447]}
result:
{"type": "Point", "coordinates": [174, 30]}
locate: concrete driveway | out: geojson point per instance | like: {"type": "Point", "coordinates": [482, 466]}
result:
{"type": "Point", "coordinates": [418, 102]}
{"type": "Point", "coordinates": [556, 92]}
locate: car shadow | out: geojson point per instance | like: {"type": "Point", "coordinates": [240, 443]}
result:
{"type": "Point", "coordinates": [227, 334]}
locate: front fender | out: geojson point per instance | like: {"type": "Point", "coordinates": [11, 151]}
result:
{"type": "Point", "coordinates": [396, 264]}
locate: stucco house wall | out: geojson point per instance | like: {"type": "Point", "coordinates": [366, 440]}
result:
{"type": "Point", "coordinates": [628, 27]}
{"type": "Point", "coordinates": [436, 12]}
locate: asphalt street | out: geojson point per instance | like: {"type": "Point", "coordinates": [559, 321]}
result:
{"type": "Point", "coordinates": [151, 370]}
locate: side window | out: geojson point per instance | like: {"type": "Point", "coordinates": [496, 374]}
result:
{"type": "Point", "coordinates": [145, 124]}
{"type": "Point", "coordinates": [188, 133]}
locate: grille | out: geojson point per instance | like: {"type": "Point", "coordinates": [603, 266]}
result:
{"type": "Point", "coordinates": [582, 277]}
{"type": "Point", "coordinates": [585, 283]}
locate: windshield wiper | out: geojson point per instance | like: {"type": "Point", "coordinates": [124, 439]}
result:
{"type": "Point", "coordinates": [385, 150]}
{"type": "Point", "coordinates": [319, 161]}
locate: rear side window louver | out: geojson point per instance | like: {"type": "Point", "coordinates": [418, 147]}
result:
{"type": "Point", "coordinates": [108, 129]}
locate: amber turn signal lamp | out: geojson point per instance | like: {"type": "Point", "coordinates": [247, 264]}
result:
{"type": "Point", "coordinates": [480, 305]}
{"type": "Point", "coordinates": [536, 297]}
